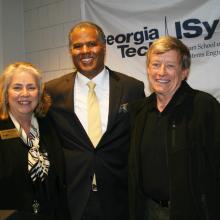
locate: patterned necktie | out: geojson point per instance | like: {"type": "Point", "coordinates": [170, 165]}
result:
{"type": "Point", "coordinates": [94, 118]}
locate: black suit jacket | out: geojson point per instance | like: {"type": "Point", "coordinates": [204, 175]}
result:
{"type": "Point", "coordinates": [17, 191]}
{"type": "Point", "coordinates": [109, 159]}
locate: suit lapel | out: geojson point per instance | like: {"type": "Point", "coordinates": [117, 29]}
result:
{"type": "Point", "coordinates": [115, 94]}
{"type": "Point", "coordinates": [68, 92]}
{"type": "Point", "coordinates": [70, 107]}
{"type": "Point", "coordinates": [67, 106]}
{"type": "Point", "coordinates": [68, 97]}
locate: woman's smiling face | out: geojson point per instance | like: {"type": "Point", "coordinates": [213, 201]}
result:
{"type": "Point", "coordinates": [23, 95]}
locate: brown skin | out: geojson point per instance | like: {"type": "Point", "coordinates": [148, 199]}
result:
{"type": "Point", "coordinates": [88, 52]}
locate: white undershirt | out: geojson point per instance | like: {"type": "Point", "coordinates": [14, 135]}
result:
{"type": "Point", "coordinates": [102, 92]}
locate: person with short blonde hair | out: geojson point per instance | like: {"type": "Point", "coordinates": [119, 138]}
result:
{"type": "Point", "coordinates": [167, 43]}
{"type": "Point", "coordinates": [174, 160]}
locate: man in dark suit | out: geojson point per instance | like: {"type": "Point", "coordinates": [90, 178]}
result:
{"type": "Point", "coordinates": [96, 173]}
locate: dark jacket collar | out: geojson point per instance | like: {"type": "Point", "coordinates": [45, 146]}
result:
{"type": "Point", "coordinates": [178, 98]}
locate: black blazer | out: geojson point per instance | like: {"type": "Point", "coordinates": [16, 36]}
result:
{"type": "Point", "coordinates": [17, 191]}
{"type": "Point", "coordinates": [109, 159]}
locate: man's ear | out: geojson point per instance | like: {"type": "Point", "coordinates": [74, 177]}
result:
{"type": "Point", "coordinates": [185, 74]}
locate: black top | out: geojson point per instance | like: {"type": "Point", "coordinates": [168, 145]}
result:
{"type": "Point", "coordinates": [17, 191]}
{"type": "Point", "coordinates": [192, 141]}
{"type": "Point", "coordinates": [154, 155]}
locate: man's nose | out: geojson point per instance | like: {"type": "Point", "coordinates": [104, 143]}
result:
{"type": "Point", "coordinates": [162, 69]}
{"type": "Point", "coordinates": [85, 48]}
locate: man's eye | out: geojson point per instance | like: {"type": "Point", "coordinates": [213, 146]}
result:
{"type": "Point", "coordinates": [76, 46]}
{"type": "Point", "coordinates": [170, 66]}
{"type": "Point", "coordinates": [91, 44]}
{"type": "Point", "coordinates": [155, 65]}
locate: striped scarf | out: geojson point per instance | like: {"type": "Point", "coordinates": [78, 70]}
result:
{"type": "Point", "coordinates": [38, 163]}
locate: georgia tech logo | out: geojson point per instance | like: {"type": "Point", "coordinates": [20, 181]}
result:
{"type": "Point", "coordinates": [138, 42]}
{"type": "Point", "coordinates": [192, 28]}
{"type": "Point", "coordinates": [124, 41]}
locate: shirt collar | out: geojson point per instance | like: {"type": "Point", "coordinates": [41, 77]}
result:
{"type": "Point", "coordinates": [21, 131]}
{"type": "Point", "coordinates": [99, 79]}
{"type": "Point", "coordinates": [177, 99]}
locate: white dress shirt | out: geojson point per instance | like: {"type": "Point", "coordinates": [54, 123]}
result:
{"type": "Point", "coordinates": [81, 93]}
